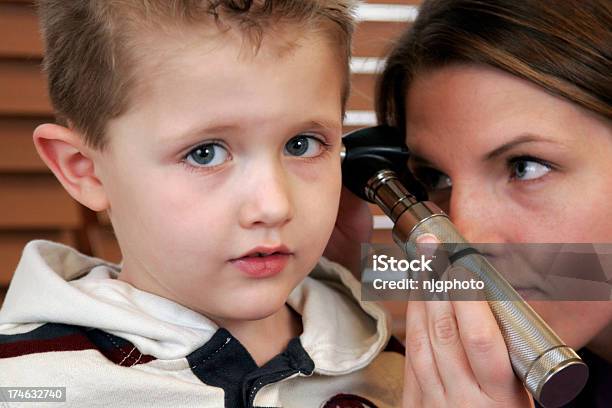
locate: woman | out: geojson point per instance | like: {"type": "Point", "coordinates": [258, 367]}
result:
{"type": "Point", "coordinates": [506, 106]}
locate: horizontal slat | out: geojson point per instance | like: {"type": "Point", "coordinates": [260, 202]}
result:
{"type": "Point", "coordinates": [363, 88]}
{"type": "Point", "coordinates": [387, 12]}
{"type": "Point", "coordinates": [382, 222]}
{"type": "Point", "coordinates": [360, 118]}
{"type": "Point", "coordinates": [19, 36]}
{"type": "Point", "coordinates": [375, 38]}
{"type": "Point", "coordinates": [23, 89]}
{"type": "Point", "coordinates": [17, 152]}
{"type": "Point", "coordinates": [367, 65]}
{"type": "Point", "coordinates": [36, 201]}
{"type": "Point", "coordinates": [12, 243]}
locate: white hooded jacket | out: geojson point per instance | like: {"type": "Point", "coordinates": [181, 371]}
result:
{"type": "Point", "coordinates": [68, 322]}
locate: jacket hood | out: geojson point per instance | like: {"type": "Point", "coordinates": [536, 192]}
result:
{"type": "Point", "coordinates": [54, 283]}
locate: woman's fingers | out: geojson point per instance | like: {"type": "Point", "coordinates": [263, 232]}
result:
{"type": "Point", "coordinates": [455, 353]}
{"type": "Point", "coordinates": [411, 396]}
{"type": "Point", "coordinates": [420, 354]}
{"type": "Point", "coordinates": [453, 366]}
{"type": "Point", "coordinates": [486, 350]}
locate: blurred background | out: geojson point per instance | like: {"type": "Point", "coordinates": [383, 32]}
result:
{"type": "Point", "coordinates": [33, 205]}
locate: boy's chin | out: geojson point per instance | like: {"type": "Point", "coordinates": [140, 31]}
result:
{"type": "Point", "coordinates": [258, 309]}
{"type": "Point", "coordinates": [257, 302]}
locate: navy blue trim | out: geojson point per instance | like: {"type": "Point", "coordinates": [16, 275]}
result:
{"type": "Point", "coordinates": [106, 341]}
{"type": "Point", "coordinates": [223, 362]}
{"type": "Point", "coordinates": [47, 331]}
{"type": "Point", "coordinates": [293, 360]}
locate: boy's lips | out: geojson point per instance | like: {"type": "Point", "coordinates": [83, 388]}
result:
{"type": "Point", "coordinates": [262, 262]}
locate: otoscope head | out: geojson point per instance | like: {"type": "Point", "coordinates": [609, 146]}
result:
{"type": "Point", "coordinates": [369, 151]}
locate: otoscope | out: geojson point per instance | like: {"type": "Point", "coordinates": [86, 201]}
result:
{"type": "Point", "coordinates": [374, 167]}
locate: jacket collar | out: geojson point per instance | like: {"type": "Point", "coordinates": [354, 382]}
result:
{"type": "Point", "coordinates": [55, 283]}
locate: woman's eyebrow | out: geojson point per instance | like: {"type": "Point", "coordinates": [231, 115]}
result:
{"type": "Point", "coordinates": [416, 158]}
{"type": "Point", "coordinates": [522, 139]}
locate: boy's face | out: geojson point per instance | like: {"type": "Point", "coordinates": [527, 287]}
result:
{"type": "Point", "coordinates": [221, 153]}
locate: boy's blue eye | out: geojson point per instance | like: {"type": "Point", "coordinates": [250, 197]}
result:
{"type": "Point", "coordinates": [207, 155]}
{"type": "Point", "coordinates": [303, 146]}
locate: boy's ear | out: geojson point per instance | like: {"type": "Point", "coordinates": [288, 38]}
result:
{"type": "Point", "coordinates": [66, 155]}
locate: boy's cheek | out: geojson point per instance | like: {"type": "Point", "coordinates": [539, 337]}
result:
{"type": "Point", "coordinates": [323, 170]}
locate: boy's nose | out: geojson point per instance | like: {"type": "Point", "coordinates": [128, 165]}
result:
{"type": "Point", "coordinates": [266, 199]}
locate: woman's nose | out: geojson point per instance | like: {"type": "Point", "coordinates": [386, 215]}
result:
{"type": "Point", "coordinates": [266, 198]}
{"type": "Point", "coordinates": [476, 213]}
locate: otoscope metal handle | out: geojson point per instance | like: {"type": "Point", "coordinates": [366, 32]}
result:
{"type": "Point", "coordinates": [550, 370]}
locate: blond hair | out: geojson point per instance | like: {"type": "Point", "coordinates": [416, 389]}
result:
{"type": "Point", "coordinates": [90, 67]}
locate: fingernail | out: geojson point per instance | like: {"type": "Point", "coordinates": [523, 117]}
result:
{"type": "Point", "coordinates": [427, 244]}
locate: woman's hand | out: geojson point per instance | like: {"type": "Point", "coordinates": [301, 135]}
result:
{"type": "Point", "coordinates": [353, 227]}
{"type": "Point", "coordinates": [457, 357]}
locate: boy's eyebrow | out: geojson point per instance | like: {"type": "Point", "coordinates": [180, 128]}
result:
{"type": "Point", "coordinates": [219, 129]}
{"type": "Point", "coordinates": [201, 130]}
{"type": "Point", "coordinates": [321, 124]}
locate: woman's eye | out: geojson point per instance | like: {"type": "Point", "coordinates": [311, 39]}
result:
{"type": "Point", "coordinates": [303, 146]}
{"type": "Point", "coordinates": [207, 155]}
{"type": "Point", "coordinates": [527, 169]}
{"type": "Point", "coordinates": [433, 179]}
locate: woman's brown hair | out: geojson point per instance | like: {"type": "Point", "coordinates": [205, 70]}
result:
{"type": "Point", "coordinates": [563, 46]}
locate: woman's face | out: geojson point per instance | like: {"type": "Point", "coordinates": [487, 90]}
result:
{"type": "Point", "coordinates": [510, 163]}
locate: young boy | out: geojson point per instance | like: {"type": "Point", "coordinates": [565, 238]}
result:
{"type": "Point", "coordinates": [210, 131]}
